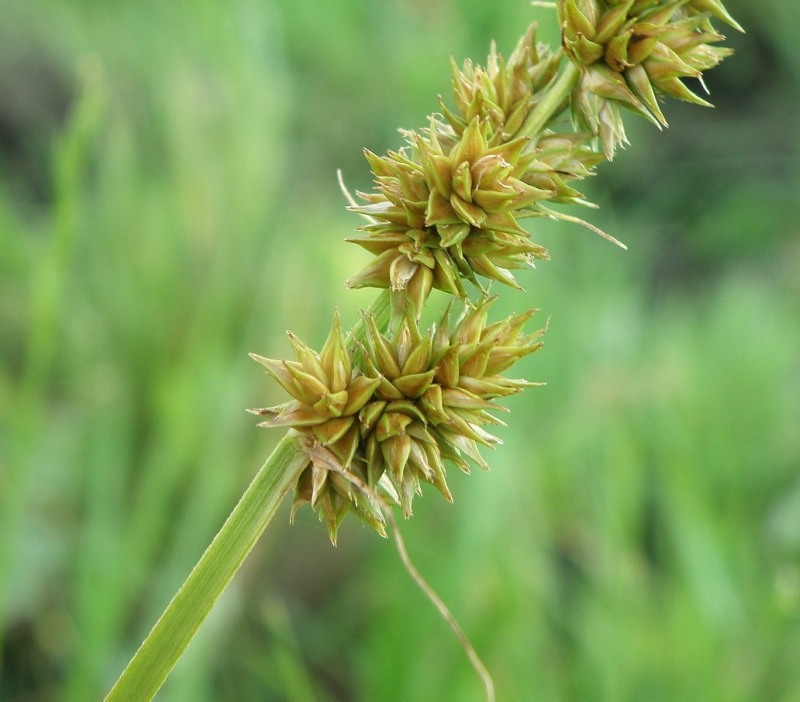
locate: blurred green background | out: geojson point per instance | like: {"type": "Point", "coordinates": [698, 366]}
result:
{"type": "Point", "coordinates": [168, 202]}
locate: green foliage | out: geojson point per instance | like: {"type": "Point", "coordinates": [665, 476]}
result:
{"type": "Point", "coordinates": [637, 537]}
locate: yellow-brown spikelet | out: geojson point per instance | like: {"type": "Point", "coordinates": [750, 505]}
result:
{"type": "Point", "coordinates": [447, 209]}
{"type": "Point", "coordinates": [328, 393]}
{"type": "Point", "coordinates": [559, 159]}
{"type": "Point", "coordinates": [394, 427]}
{"type": "Point", "coordinates": [436, 396]}
{"type": "Point", "coordinates": [631, 51]}
{"type": "Point", "coordinates": [503, 92]}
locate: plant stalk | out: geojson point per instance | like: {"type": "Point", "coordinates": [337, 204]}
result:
{"type": "Point", "coordinates": [381, 309]}
{"type": "Point", "coordinates": [553, 103]}
{"type": "Point", "coordinates": [176, 627]}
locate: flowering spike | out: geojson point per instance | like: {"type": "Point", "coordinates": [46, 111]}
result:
{"type": "Point", "coordinates": [447, 207]}
{"type": "Point", "coordinates": [629, 51]}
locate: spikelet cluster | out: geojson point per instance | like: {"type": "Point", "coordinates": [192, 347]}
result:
{"type": "Point", "coordinates": [384, 414]}
{"type": "Point", "coordinates": [418, 400]}
{"type": "Point", "coordinates": [447, 207]}
{"type": "Point", "coordinates": [630, 52]}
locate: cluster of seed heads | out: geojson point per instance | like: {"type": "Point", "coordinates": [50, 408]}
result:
{"type": "Point", "coordinates": [418, 400]}
{"type": "Point", "coordinates": [385, 413]}
{"type": "Point", "coordinates": [632, 51]}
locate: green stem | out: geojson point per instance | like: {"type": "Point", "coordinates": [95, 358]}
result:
{"type": "Point", "coordinates": [176, 627]}
{"type": "Point", "coordinates": [381, 309]}
{"type": "Point", "coordinates": [552, 103]}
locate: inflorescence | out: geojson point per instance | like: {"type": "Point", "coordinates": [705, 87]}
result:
{"type": "Point", "coordinates": [389, 410]}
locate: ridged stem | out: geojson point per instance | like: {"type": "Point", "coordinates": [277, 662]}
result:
{"type": "Point", "coordinates": [176, 627]}
{"type": "Point", "coordinates": [381, 309]}
{"type": "Point", "coordinates": [552, 103]}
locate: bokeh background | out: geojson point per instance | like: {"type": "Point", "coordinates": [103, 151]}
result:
{"type": "Point", "coordinates": [168, 202]}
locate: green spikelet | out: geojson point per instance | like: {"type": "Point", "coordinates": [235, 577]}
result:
{"type": "Point", "coordinates": [435, 396]}
{"type": "Point", "coordinates": [630, 53]}
{"type": "Point", "coordinates": [327, 395]}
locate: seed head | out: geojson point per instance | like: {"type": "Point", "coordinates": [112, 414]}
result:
{"type": "Point", "coordinates": [447, 209]}
{"type": "Point", "coordinates": [632, 51]}
{"type": "Point", "coordinates": [419, 400]}
{"type": "Point", "coordinates": [435, 396]}
{"type": "Point", "coordinates": [328, 393]}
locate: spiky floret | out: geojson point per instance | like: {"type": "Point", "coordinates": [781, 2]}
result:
{"type": "Point", "coordinates": [503, 92]}
{"type": "Point", "coordinates": [631, 51]}
{"type": "Point", "coordinates": [327, 395]}
{"type": "Point", "coordinates": [419, 400]}
{"type": "Point", "coordinates": [394, 426]}
{"type": "Point", "coordinates": [446, 207]}
{"type": "Point", "coordinates": [436, 396]}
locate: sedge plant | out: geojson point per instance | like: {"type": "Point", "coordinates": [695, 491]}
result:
{"type": "Point", "coordinates": [380, 413]}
